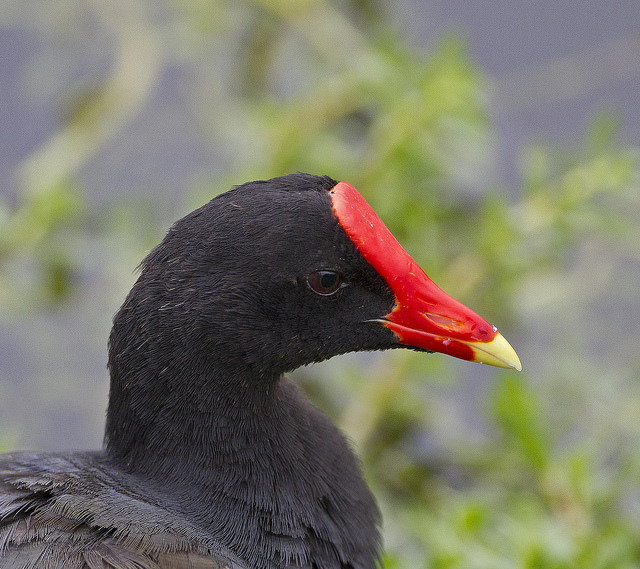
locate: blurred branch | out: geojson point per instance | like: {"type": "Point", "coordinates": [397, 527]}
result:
{"type": "Point", "coordinates": [325, 28]}
{"type": "Point", "coordinates": [103, 111]}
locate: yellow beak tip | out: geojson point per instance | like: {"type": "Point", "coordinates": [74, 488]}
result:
{"type": "Point", "coordinates": [498, 352]}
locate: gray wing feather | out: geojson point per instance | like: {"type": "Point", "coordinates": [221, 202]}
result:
{"type": "Point", "coordinates": [65, 512]}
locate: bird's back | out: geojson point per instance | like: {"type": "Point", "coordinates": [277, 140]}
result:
{"type": "Point", "coordinates": [69, 511]}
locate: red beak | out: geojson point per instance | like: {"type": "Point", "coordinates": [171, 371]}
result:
{"type": "Point", "coordinates": [424, 316]}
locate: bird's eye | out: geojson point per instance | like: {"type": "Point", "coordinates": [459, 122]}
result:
{"type": "Point", "coordinates": [325, 283]}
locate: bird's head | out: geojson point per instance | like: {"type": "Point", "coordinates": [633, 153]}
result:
{"type": "Point", "coordinates": [276, 274]}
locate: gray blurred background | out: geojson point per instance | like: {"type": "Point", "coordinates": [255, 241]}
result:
{"type": "Point", "coordinates": [117, 118]}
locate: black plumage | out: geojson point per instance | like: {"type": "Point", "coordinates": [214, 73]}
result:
{"type": "Point", "coordinates": [212, 457]}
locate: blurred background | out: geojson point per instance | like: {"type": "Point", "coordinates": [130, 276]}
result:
{"type": "Point", "coordinates": [497, 140]}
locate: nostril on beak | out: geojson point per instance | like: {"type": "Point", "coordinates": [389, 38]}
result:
{"type": "Point", "coordinates": [443, 320]}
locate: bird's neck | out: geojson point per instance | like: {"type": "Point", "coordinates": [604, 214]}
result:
{"type": "Point", "coordinates": [180, 416]}
{"type": "Point", "coordinates": [249, 457]}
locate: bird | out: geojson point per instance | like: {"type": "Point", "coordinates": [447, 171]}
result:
{"type": "Point", "coordinates": [212, 457]}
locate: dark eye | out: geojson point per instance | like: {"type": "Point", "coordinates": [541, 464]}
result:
{"type": "Point", "coordinates": [325, 282]}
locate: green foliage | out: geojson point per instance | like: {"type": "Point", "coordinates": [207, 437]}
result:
{"type": "Point", "coordinates": [517, 412]}
{"type": "Point", "coordinates": [537, 470]}
{"type": "Point", "coordinates": [37, 230]}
